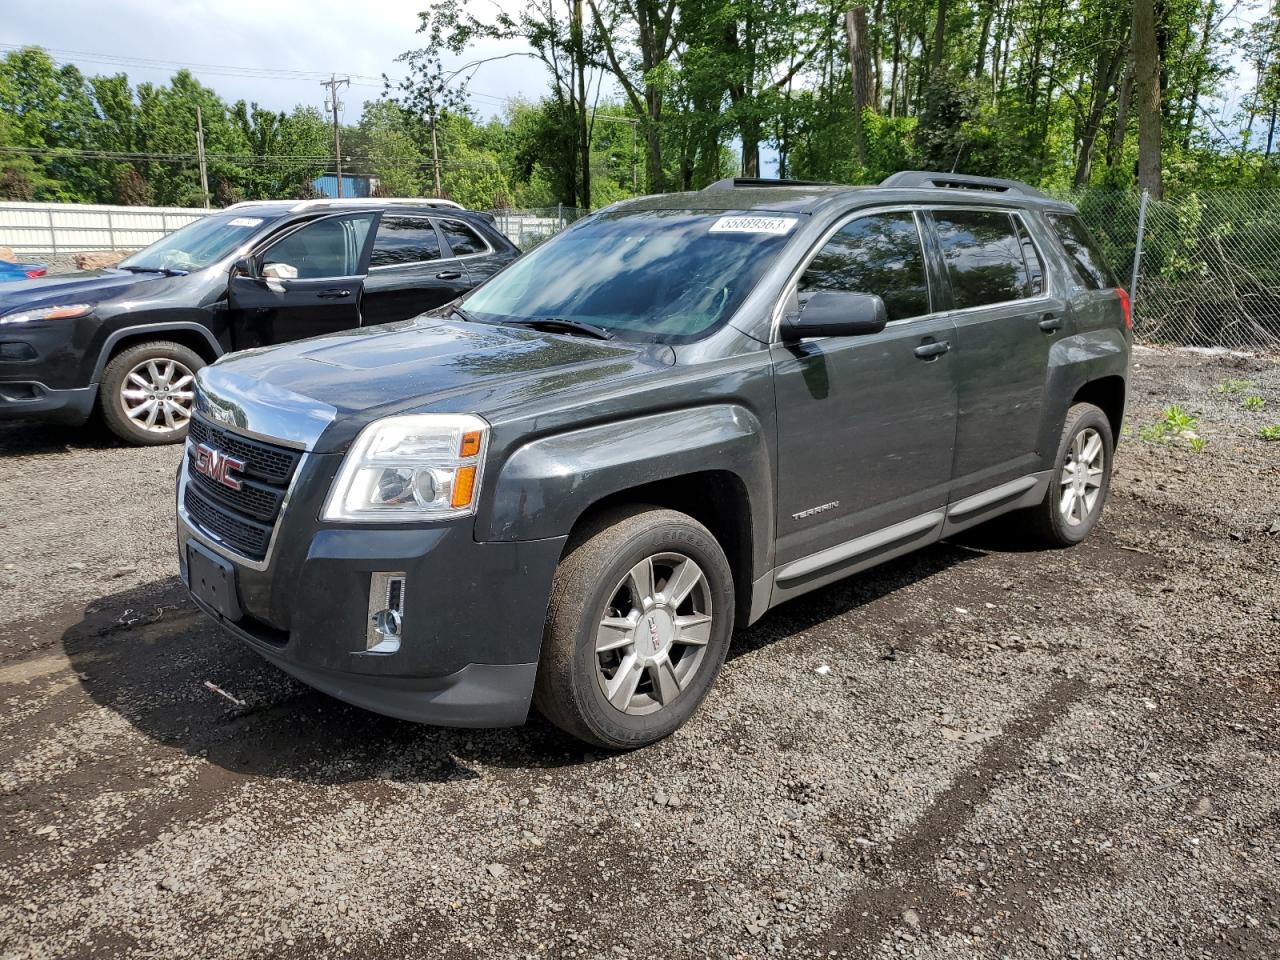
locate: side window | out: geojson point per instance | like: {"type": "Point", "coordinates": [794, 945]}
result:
{"type": "Point", "coordinates": [404, 240]}
{"type": "Point", "coordinates": [1083, 252]}
{"type": "Point", "coordinates": [462, 240]}
{"type": "Point", "coordinates": [325, 248]}
{"type": "Point", "coordinates": [878, 254]}
{"type": "Point", "coordinates": [983, 255]}
{"type": "Point", "coordinates": [1035, 266]}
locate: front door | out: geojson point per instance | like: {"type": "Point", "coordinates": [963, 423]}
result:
{"type": "Point", "coordinates": [409, 270]}
{"type": "Point", "coordinates": [1006, 321]}
{"type": "Point", "coordinates": [866, 424]}
{"type": "Point", "coordinates": [307, 283]}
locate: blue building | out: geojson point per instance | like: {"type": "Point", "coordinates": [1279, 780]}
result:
{"type": "Point", "coordinates": [353, 185]}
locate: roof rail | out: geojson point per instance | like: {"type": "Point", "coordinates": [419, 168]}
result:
{"type": "Point", "coordinates": [959, 181]}
{"type": "Point", "coordinates": [730, 182]}
{"type": "Point", "coordinates": [294, 206]}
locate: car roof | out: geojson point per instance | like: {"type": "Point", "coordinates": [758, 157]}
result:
{"type": "Point", "coordinates": [806, 197]}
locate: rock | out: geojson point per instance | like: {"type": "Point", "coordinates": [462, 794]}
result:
{"type": "Point", "coordinates": [1204, 807]}
{"type": "Point", "coordinates": [660, 797]}
{"type": "Point", "coordinates": [171, 884]}
{"type": "Point", "coordinates": [6, 253]}
{"type": "Point", "coordinates": [496, 870]}
{"type": "Point", "coordinates": [911, 919]}
{"type": "Point", "coordinates": [822, 670]}
{"type": "Point", "coordinates": [674, 802]}
{"type": "Point", "coordinates": [99, 259]}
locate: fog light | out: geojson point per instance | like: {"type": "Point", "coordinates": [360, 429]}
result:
{"type": "Point", "coordinates": [386, 612]}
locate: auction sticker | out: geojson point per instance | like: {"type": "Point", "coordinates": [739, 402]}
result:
{"type": "Point", "coordinates": [244, 222]}
{"type": "Point", "coordinates": [774, 225]}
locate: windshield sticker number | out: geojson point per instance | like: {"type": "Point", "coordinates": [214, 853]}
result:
{"type": "Point", "coordinates": [778, 226]}
{"type": "Point", "coordinates": [244, 222]}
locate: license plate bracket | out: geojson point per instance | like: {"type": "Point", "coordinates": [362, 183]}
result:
{"type": "Point", "coordinates": [212, 581]}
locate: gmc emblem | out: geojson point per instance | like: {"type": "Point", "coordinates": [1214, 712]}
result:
{"type": "Point", "coordinates": [218, 467]}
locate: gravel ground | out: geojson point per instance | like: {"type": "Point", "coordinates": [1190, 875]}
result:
{"type": "Point", "coordinates": [1014, 754]}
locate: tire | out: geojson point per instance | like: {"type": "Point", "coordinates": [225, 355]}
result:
{"type": "Point", "coordinates": [1052, 524]}
{"type": "Point", "coordinates": [597, 577]}
{"type": "Point", "coordinates": [160, 373]}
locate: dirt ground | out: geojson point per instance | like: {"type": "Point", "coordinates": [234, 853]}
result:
{"type": "Point", "coordinates": [1014, 753]}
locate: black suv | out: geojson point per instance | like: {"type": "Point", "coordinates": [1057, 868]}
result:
{"type": "Point", "coordinates": [130, 339]}
{"type": "Point", "coordinates": [569, 487]}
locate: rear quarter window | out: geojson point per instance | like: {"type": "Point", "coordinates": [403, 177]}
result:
{"type": "Point", "coordinates": [1083, 252]}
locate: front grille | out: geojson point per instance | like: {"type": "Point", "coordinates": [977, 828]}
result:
{"type": "Point", "coordinates": [242, 519]}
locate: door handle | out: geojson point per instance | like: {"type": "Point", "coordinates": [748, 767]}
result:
{"type": "Point", "coordinates": [934, 348]}
{"type": "Point", "coordinates": [333, 294]}
{"type": "Point", "coordinates": [449, 275]}
{"type": "Point", "coordinates": [1050, 322]}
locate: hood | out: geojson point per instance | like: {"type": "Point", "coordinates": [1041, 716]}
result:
{"type": "Point", "coordinates": [90, 286]}
{"type": "Point", "coordinates": [423, 364]}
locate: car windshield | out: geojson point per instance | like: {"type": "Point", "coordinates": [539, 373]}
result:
{"type": "Point", "coordinates": [196, 245]}
{"type": "Point", "coordinates": [659, 275]}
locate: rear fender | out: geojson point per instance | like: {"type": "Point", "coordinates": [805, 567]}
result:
{"type": "Point", "coordinates": [1073, 362]}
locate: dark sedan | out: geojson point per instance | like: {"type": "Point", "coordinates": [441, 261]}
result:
{"type": "Point", "coordinates": [127, 341]}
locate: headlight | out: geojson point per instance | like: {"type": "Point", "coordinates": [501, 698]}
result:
{"type": "Point", "coordinates": [415, 467]}
{"type": "Point", "coordinates": [48, 313]}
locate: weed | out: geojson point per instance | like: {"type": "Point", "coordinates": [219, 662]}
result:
{"type": "Point", "coordinates": [1198, 444]}
{"type": "Point", "coordinates": [1234, 386]}
{"type": "Point", "coordinates": [1253, 402]}
{"type": "Point", "coordinates": [1270, 433]}
{"type": "Point", "coordinates": [1174, 424]}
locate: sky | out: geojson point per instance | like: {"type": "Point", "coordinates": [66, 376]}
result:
{"type": "Point", "coordinates": [360, 40]}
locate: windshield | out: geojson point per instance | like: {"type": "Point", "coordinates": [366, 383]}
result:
{"type": "Point", "coordinates": [662, 275]}
{"type": "Point", "coordinates": [196, 245]}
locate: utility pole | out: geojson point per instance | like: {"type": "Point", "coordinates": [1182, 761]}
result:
{"type": "Point", "coordinates": [334, 104]}
{"type": "Point", "coordinates": [204, 170]}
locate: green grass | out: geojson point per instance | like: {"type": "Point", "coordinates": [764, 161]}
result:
{"type": "Point", "coordinates": [1253, 402]}
{"type": "Point", "coordinates": [1234, 386]}
{"type": "Point", "coordinates": [1175, 424]}
{"type": "Point", "coordinates": [1270, 433]}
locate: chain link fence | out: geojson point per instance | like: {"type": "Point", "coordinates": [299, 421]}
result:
{"type": "Point", "coordinates": [1209, 266]}
{"type": "Point", "coordinates": [529, 227]}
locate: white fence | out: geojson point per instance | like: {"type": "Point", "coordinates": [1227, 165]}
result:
{"type": "Point", "coordinates": [54, 228]}
{"type": "Point", "coordinates": [49, 229]}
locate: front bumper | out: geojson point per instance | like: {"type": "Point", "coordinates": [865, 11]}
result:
{"type": "Point", "coordinates": [473, 619]}
{"type": "Point", "coordinates": [32, 400]}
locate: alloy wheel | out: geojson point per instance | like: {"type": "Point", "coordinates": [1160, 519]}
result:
{"type": "Point", "coordinates": [653, 635]}
{"type": "Point", "coordinates": [1081, 478]}
{"type": "Point", "coordinates": [157, 395]}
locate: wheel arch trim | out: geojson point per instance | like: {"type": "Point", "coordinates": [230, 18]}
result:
{"type": "Point", "coordinates": [146, 330]}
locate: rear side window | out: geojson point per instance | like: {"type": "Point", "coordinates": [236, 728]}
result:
{"type": "Point", "coordinates": [1035, 266]}
{"type": "Point", "coordinates": [404, 240]}
{"type": "Point", "coordinates": [983, 253]}
{"type": "Point", "coordinates": [878, 254]}
{"type": "Point", "coordinates": [1083, 252]}
{"type": "Point", "coordinates": [462, 240]}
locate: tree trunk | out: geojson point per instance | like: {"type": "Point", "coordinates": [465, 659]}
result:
{"type": "Point", "coordinates": [855, 22]}
{"type": "Point", "coordinates": [1198, 71]}
{"type": "Point", "coordinates": [1146, 58]}
{"type": "Point", "coordinates": [983, 37]}
{"type": "Point", "coordinates": [1104, 78]}
{"type": "Point", "coordinates": [939, 36]}
{"type": "Point", "coordinates": [1120, 125]}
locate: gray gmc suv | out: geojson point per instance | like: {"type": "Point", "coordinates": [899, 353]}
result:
{"type": "Point", "coordinates": [567, 487]}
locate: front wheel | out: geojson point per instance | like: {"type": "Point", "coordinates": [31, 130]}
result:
{"type": "Point", "coordinates": [638, 625]}
{"type": "Point", "coordinates": [147, 392]}
{"type": "Point", "coordinates": [1080, 481]}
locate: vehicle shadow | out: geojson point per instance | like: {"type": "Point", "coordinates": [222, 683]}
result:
{"type": "Point", "coordinates": [24, 438]}
{"type": "Point", "coordinates": [147, 652]}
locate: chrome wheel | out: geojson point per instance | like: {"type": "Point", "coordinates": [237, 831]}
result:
{"type": "Point", "coordinates": [157, 395]}
{"type": "Point", "coordinates": [653, 635]}
{"type": "Point", "coordinates": [1081, 478]}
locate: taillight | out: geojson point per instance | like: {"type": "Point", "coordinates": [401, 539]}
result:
{"type": "Point", "coordinates": [32, 274]}
{"type": "Point", "coordinates": [1126, 306]}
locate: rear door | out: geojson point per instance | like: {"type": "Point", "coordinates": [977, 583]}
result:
{"type": "Point", "coordinates": [1007, 317]}
{"type": "Point", "coordinates": [410, 270]}
{"type": "Point", "coordinates": [467, 243]}
{"type": "Point", "coordinates": [305, 283]}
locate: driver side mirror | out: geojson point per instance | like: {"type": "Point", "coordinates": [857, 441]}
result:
{"type": "Point", "coordinates": [836, 313]}
{"type": "Point", "coordinates": [244, 267]}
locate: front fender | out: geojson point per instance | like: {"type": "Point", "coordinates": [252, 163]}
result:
{"type": "Point", "coordinates": [544, 486]}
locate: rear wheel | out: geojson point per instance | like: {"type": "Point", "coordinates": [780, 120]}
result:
{"type": "Point", "coordinates": [638, 626]}
{"type": "Point", "coordinates": [147, 392]}
{"type": "Point", "coordinates": [1080, 481]}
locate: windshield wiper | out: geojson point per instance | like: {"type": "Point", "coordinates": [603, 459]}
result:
{"type": "Point", "coordinates": [561, 325]}
{"type": "Point", "coordinates": [463, 314]}
{"type": "Point", "coordinates": [167, 271]}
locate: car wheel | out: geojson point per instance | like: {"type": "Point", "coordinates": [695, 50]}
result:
{"type": "Point", "coordinates": [638, 625]}
{"type": "Point", "coordinates": [1081, 479]}
{"type": "Point", "coordinates": [147, 392]}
